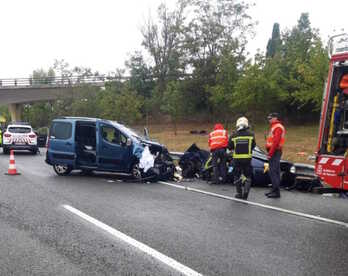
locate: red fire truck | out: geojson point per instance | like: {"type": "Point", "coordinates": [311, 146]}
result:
{"type": "Point", "coordinates": [331, 164]}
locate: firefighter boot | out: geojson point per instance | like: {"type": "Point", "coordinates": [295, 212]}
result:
{"type": "Point", "coordinates": [238, 184]}
{"type": "Point", "coordinates": [247, 185]}
{"type": "Point", "coordinates": [274, 194]}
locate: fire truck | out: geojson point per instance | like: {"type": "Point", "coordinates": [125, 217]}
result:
{"type": "Point", "coordinates": [331, 163]}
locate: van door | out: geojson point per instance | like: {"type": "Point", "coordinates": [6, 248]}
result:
{"type": "Point", "coordinates": [61, 149]}
{"type": "Point", "coordinates": [113, 153]}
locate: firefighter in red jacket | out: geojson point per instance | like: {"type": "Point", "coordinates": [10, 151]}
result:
{"type": "Point", "coordinates": [274, 146]}
{"type": "Point", "coordinates": [218, 141]}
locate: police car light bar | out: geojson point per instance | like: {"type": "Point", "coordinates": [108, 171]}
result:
{"type": "Point", "coordinates": [338, 44]}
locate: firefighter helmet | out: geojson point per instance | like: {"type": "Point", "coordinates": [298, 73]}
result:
{"type": "Point", "coordinates": [242, 123]}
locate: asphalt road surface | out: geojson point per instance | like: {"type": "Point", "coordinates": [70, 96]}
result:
{"type": "Point", "coordinates": [101, 225]}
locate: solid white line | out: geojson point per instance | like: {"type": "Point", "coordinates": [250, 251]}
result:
{"type": "Point", "coordinates": [141, 246]}
{"type": "Point", "coordinates": [337, 222]}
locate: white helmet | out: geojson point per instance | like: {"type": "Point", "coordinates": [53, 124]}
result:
{"type": "Point", "coordinates": [242, 123]}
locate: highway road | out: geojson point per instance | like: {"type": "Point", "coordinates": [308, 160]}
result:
{"type": "Point", "coordinates": [101, 225]}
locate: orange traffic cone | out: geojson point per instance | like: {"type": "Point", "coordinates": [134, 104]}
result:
{"type": "Point", "coordinates": [12, 167]}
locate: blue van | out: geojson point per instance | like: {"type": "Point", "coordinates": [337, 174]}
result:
{"type": "Point", "coordinates": [90, 144]}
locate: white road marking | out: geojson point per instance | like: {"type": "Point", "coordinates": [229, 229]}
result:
{"type": "Point", "coordinates": [318, 218]}
{"type": "Point", "coordinates": [141, 246]}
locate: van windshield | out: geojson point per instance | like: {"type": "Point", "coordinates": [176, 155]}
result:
{"type": "Point", "coordinates": [129, 131]}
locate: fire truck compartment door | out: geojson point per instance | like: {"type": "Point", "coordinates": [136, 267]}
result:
{"type": "Point", "coordinates": [330, 169]}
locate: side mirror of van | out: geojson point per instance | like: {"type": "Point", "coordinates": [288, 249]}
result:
{"type": "Point", "coordinates": [129, 142]}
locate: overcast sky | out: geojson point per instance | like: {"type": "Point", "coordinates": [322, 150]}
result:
{"type": "Point", "coordinates": [102, 33]}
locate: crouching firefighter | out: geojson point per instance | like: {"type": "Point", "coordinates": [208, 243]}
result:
{"type": "Point", "coordinates": [218, 142]}
{"type": "Point", "coordinates": [242, 143]}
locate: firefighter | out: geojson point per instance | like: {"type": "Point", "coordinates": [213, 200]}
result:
{"type": "Point", "coordinates": [274, 145]}
{"type": "Point", "coordinates": [218, 141]}
{"type": "Point", "coordinates": [242, 143]}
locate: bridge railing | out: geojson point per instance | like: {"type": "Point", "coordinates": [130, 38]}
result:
{"type": "Point", "coordinates": [56, 81]}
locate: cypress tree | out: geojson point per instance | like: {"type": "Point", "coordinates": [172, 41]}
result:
{"type": "Point", "coordinates": [274, 43]}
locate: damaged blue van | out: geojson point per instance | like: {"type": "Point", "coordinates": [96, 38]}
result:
{"type": "Point", "coordinates": [90, 144]}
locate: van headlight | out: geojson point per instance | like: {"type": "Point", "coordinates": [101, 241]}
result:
{"type": "Point", "coordinates": [293, 169]}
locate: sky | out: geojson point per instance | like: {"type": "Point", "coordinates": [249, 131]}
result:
{"type": "Point", "coordinates": [101, 34]}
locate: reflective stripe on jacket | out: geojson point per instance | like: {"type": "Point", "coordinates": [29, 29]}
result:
{"type": "Point", "coordinates": [270, 138]}
{"type": "Point", "coordinates": [242, 147]}
{"type": "Point", "coordinates": [218, 139]}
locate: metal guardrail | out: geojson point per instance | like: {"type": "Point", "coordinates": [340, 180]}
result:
{"type": "Point", "coordinates": [176, 155]}
{"type": "Point", "coordinates": [57, 81]}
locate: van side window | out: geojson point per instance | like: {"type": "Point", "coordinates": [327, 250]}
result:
{"type": "Point", "coordinates": [61, 130]}
{"type": "Point", "coordinates": [113, 135]}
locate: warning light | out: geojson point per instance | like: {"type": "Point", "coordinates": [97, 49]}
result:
{"type": "Point", "coordinates": [338, 44]}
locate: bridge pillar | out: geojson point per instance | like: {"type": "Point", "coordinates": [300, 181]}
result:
{"type": "Point", "coordinates": [16, 112]}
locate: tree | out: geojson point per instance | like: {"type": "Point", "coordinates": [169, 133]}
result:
{"type": "Point", "coordinates": [141, 77]}
{"type": "Point", "coordinates": [163, 42]}
{"type": "Point", "coordinates": [40, 76]}
{"type": "Point", "coordinates": [274, 43]}
{"type": "Point", "coordinates": [312, 75]}
{"type": "Point", "coordinates": [61, 68]}
{"type": "Point", "coordinates": [302, 62]}
{"type": "Point", "coordinates": [218, 31]}
{"type": "Point", "coordinates": [172, 102]}
{"type": "Point", "coordinates": [85, 102]}
{"type": "Point", "coordinates": [220, 95]}
{"type": "Point", "coordinates": [217, 26]}
{"type": "Point", "coordinates": [257, 92]}
{"type": "Point", "coordinates": [39, 114]}
{"type": "Point", "coordinates": [141, 80]}
{"type": "Point", "coordinates": [122, 104]}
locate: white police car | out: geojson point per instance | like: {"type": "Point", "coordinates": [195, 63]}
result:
{"type": "Point", "coordinates": [19, 136]}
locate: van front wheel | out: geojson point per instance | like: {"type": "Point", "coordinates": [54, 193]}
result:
{"type": "Point", "coordinates": [62, 169]}
{"type": "Point", "coordinates": [136, 172]}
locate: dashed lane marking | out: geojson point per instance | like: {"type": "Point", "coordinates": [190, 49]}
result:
{"type": "Point", "coordinates": [282, 210]}
{"type": "Point", "coordinates": [141, 246]}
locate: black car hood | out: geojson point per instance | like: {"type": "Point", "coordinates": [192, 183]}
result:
{"type": "Point", "coordinates": [261, 155]}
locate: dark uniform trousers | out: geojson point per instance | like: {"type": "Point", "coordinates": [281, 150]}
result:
{"type": "Point", "coordinates": [219, 159]}
{"type": "Point", "coordinates": [242, 167]}
{"type": "Point", "coordinates": [274, 170]}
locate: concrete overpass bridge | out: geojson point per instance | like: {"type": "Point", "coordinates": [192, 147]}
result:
{"type": "Point", "coordinates": [15, 92]}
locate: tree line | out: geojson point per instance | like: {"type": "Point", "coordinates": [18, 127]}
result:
{"type": "Point", "coordinates": [194, 66]}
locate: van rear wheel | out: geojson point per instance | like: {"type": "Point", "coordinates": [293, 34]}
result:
{"type": "Point", "coordinates": [62, 169]}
